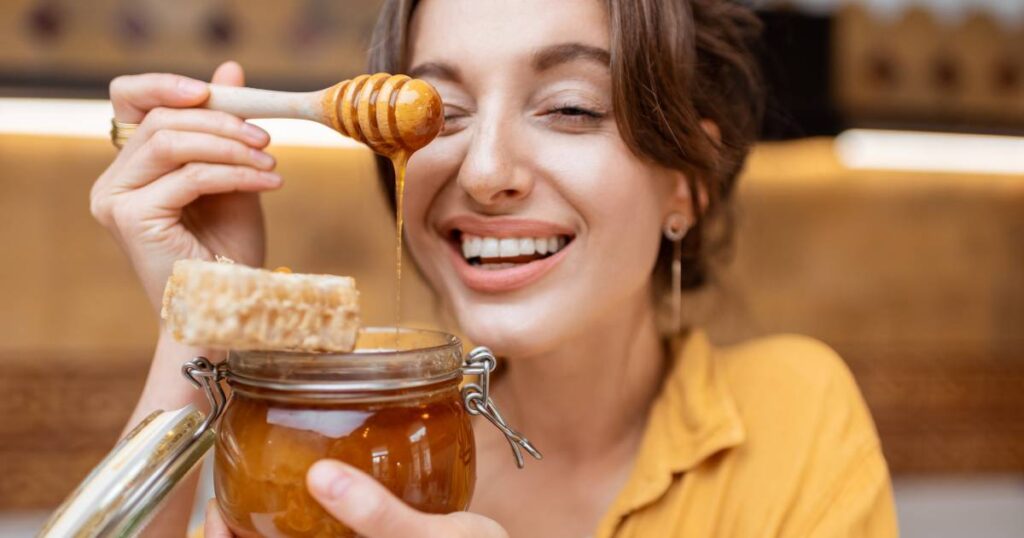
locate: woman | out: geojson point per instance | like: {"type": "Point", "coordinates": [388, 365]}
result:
{"type": "Point", "coordinates": [617, 128]}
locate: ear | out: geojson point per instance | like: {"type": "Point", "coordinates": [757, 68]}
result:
{"type": "Point", "coordinates": [682, 193]}
{"type": "Point", "coordinates": [712, 131]}
{"type": "Point", "coordinates": [681, 200]}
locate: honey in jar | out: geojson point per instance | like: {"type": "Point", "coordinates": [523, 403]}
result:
{"type": "Point", "coordinates": [395, 414]}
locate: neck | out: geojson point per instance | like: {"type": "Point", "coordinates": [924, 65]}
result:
{"type": "Point", "coordinates": [588, 399]}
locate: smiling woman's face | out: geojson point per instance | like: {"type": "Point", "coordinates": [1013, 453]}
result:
{"type": "Point", "coordinates": [530, 161]}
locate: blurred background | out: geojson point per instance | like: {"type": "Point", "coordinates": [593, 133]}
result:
{"type": "Point", "coordinates": [883, 214]}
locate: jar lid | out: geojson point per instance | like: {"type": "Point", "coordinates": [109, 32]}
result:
{"type": "Point", "coordinates": [124, 490]}
{"type": "Point", "coordinates": [385, 358]}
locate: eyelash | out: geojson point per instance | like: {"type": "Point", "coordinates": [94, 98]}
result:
{"type": "Point", "coordinates": [450, 118]}
{"type": "Point", "coordinates": [453, 112]}
{"type": "Point", "coordinates": [571, 114]}
{"type": "Point", "coordinates": [576, 113]}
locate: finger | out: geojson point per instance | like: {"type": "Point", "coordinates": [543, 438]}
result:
{"type": "Point", "coordinates": [132, 96]}
{"type": "Point", "coordinates": [215, 527]}
{"type": "Point", "coordinates": [229, 74]}
{"type": "Point", "coordinates": [168, 150]}
{"type": "Point", "coordinates": [182, 187]}
{"type": "Point", "coordinates": [201, 120]}
{"type": "Point", "coordinates": [360, 502]}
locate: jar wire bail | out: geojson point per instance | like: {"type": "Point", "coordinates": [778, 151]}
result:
{"type": "Point", "coordinates": [206, 375]}
{"type": "Point", "coordinates": [476, 397]}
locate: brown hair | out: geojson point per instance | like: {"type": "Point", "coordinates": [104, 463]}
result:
{"type": "Point", "coordinates": [674, 63]}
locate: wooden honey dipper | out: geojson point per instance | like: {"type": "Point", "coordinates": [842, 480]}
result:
{"type": "Point", "coordinates": [392, 114]}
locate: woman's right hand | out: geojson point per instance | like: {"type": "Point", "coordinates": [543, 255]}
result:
{"type": "Point", "coordinates": [186, 183]}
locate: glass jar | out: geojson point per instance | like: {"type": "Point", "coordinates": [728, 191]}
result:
{"type": "Point", "coordinates": [395, 414]}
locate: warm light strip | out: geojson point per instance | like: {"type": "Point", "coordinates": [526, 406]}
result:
{"type": "Point", "coordinates": [1004, 11]}
{"type": "Point", "coordinates": [856, 149]}
{"type": "Point", "coordinates": [90, 118]}
{"type": "Point", "coordinates": [931, 152]}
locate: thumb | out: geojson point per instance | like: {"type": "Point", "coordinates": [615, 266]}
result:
{"type": "Point", "coordinates": [229, 74]}
{"type": "Point", "coordinates": [215, 526]}
{"type": "Point", "coordinates": [363, 504]}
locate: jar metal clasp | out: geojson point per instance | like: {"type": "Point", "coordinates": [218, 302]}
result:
{"type": "Point", "coordinates": [206, 375]}
{"type": "Point", "coordinates": [476, 397]}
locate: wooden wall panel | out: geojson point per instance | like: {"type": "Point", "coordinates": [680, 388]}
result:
{"type": "Point", "coordinates": [944, 407]}
{"type": "Point", "coordinates": [915, 67]}
{"type": "Point", "coordinates": [291, 44]}
{"type": "Point", "coordinates": [62, 413]}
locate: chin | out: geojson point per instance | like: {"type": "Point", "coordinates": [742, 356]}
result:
{"type": "Point", "coordinates": [514, 330]}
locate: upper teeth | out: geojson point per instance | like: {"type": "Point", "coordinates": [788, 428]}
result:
{"type": "Point", "coordinates": [509, 247]}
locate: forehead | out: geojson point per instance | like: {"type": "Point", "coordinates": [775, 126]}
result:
{"type": "Point", "coordinates": [496, 31]}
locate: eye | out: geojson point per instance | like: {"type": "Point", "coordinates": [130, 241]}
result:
{"type": "Point", "coordinates": [574, 116]}
{"type": "Point", "coordinates": [455, 118]}
{"type": "Point", "coordinates": [577, 111]}
{"type": "Point", "coordinates": [452, 112]}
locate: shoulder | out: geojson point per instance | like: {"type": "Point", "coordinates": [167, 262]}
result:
{"type": "Point", "coordinates": [795, 361]}
{"type": "Point", "coordinates": [795, 389]}
{"type": "Point", "coordinates": [787, 369]}
{"type": "Point", "coordinates": [808, 428]}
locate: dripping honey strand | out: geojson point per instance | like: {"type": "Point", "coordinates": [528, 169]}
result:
{"type": "Point", "coordinates": [399, 160]}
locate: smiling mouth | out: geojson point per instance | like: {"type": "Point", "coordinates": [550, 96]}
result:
{"type": "Point", "coordinates": [499, 253]}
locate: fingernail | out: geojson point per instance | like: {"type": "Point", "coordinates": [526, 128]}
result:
{"type": "Point", "coordinates": [329, 480]}
{"type": "Point", "coordinates": [263, 159]}
{"type": "Point", "coordinates": [191, 87]}
{"type": "Point", "coordinates": [254, 134]}
{"type": "Point", "coordinates": [271, 178]}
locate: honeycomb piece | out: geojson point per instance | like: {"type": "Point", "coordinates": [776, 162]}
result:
{"type": "Point", "coordinates": [226, 305]}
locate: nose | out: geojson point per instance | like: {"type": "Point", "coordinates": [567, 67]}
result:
{"type": "Point", "coordinates": [492, 173]}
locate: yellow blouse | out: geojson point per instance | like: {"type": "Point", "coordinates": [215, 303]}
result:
{"type": "Point", "coordinates": [767, 438]}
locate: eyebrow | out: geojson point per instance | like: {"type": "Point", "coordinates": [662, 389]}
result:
{"type": "Point", "coordinates": [438, 70]}
{"type": "Point", "coordinates": [554, 55]}
{"type": "Point", "coordinates": [543, 59]}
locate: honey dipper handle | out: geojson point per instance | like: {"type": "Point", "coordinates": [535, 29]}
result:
{"type": "Point", "coordinates": [251, 103]}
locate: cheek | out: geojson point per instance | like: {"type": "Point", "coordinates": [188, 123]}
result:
{"type": "Point", "coordinates": [624, 217]}
{"type": "Point", "coordinates": [425, 180]}
{"type": "Point", "coordinates": [630, 239]}
{"type": "Point", "coordinates": [428, 191]}
{"type": "Point", "coordinates": [619, 198]}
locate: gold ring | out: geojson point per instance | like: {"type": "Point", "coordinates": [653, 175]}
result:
{"type": "Point", "coordinates": [120, 132]}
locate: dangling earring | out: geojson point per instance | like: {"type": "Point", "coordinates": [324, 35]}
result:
{"type": "Point", "coordinates": [675, 228]}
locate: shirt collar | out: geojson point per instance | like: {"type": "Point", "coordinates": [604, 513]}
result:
{"type": "Point", "coordinates": [693, 417]}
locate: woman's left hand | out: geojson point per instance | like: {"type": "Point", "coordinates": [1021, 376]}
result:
{"type": "Point", "coordinates": [361, 503]}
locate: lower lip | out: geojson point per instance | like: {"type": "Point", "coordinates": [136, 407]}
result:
{"type": "Point", "coordinates": [503, 280]}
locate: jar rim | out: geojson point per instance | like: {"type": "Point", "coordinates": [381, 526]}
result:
{"type": "Point", "coordinates": [385, 358]}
